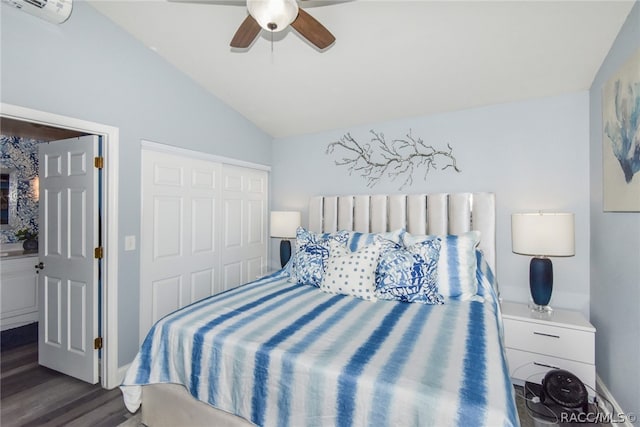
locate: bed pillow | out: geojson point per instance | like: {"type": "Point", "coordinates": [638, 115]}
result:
{"type": "Point", "coordinates": [410, 274]}
{"type": "Point", "coordinates": [351, 273]}
{"type": "Point", "coordinates": [456, 264]}
{"type": "Point", "coordinates": [486, 279]}
{"type": "Point", "coordinates": [312, 251]}
{"type": "Point", "coordinates": [358, 240]}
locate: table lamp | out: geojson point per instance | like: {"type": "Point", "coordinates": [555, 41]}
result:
{"type": "Point", "coordinates": [284, 225]}
{"type": "Point", "coordinates": [542, 235]}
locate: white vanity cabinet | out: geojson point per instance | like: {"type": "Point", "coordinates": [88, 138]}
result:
{"type": "Point", "coordinates": [18, 291]}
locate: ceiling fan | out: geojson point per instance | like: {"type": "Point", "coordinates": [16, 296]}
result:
{"type": "Point", "coordinates": [274, 16]}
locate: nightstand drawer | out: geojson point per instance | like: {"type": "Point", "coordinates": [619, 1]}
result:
{"type": "Point", "coordinates": [554, 341]}
{"type": "Point", "coordinates": [525, 366]}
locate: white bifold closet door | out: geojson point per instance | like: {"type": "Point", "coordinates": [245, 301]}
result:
{"type": "Point", "coordinates": [203, 231]}
{"type": "Point", "coordinates": [244, 225]}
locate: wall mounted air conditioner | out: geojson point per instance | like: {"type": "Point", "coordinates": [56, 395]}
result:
{"type": "Point", "coordinates": [56, 11]}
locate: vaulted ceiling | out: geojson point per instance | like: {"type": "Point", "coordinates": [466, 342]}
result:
{"type": "Point", "coordinates": [391, 59]}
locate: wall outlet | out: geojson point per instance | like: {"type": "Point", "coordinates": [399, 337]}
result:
{"type": "Point", "coordinates": [129, 243]}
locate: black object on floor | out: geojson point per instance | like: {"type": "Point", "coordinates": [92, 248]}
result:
{"type": "Point", "coordinates": [548, 412]}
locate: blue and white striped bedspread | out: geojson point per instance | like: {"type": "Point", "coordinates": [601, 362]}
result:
{"type": "Point", "coordinates": [281, 354]}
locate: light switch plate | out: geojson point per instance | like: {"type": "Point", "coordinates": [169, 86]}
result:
{"type": "Point", "coordinates": [129, 243]}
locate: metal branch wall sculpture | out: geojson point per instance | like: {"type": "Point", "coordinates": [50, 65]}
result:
{"type": "Point", "coordinates": [397, 158]}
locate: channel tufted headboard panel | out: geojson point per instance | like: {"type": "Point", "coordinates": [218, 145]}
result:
{"type": "Point", "coordinates": [437, 213]}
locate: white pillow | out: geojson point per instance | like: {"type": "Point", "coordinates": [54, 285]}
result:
{"type": "Point", "coordinates": [351, 273]}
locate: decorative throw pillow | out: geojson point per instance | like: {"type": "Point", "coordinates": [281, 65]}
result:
{"type": "Point", "coordinates": [457, 263]}
{"type": "Point", "coordinates": [351, 273]}
{"type": "Point", "coordinates": [410, 274]}
{"type": "Point", "coordinates": [486, 279]}
{"type": "Point", "coordinates": [358, 240]}
{"type": "Point", "coordinates": [312, 250]}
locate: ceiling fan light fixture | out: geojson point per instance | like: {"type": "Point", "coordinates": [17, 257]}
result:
{"type": "Point", "coordinates": [273, 15]}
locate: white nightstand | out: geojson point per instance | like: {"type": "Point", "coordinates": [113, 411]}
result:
{"type": "Point", "coordinates": [538, 343]}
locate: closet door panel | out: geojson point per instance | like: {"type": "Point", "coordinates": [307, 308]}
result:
{"type": "Point", "coordinates": [204, 230]}
{"type": "Point", "coordinates": [179, 232]}
{"type": "Point", "coordinates": [243, 256]}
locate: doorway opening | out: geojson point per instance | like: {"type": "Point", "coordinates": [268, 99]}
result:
{"type": "Point", "coordinates": [28, 123]}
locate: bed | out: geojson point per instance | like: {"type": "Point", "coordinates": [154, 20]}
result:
{"type": "Point", "coordinates": [280, 352]}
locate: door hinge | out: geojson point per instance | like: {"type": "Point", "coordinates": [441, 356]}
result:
{"type": "Point", "coordinates": [98, 162]}
{"type": "Point", "coordinates": [98, 253]}
{"type": "Point", "coordinates": [97, 343]}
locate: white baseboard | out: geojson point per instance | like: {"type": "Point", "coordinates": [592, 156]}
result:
{"type": "Point", "coordinates": [604, 391]}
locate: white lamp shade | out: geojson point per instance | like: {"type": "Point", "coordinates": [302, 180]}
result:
{"type": "Point", "coordinates": [543, 234]}
{"type": "Point", "coordinates": [284, 224]}
{"type": "Point", "coordinates": [268, 13]}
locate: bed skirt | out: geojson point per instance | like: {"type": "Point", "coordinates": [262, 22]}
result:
{"type": "Point", "coordinates": [171, 405]}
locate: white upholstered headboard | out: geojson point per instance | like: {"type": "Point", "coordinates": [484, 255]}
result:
{"type": "Point", "coordinates": [437, 213]}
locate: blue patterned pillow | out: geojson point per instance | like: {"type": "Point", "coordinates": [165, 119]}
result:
{"type": "Point", "coordinates": [410, 274]}
{"type": "Point", "coordinates": [351, 273]}
{"type": "Point", "coordinates": [358, 240]}
{"type": "Point", "coordinates": [312, 251]}
{"type": "Point", "coordinates": [457, 263]}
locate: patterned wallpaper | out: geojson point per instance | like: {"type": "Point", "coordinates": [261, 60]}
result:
{"type": "Point", "coordinates": [21, 155]}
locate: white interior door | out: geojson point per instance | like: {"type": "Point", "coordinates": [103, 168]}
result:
{"type": "Point", "coordinates": [68, 280]}
{"type": "Point", "coordinates": [179, 247]}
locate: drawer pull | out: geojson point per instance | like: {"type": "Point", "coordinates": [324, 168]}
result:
{"type": "Point", "coordinates": [545, 365]}
{"type": "Point", "coordinates": [546, 335]}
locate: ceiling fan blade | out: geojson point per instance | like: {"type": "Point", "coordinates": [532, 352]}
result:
{"type": "Point", "coordinates": [246, 34]}
{"type": "Point", "coordinates": [312, 30]}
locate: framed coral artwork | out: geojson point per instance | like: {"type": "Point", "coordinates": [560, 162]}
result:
{"type": "Point", "coordinates": [621, 138]}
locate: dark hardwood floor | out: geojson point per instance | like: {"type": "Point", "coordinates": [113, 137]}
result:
{"type": "Point", "coordinates": [31, 395]}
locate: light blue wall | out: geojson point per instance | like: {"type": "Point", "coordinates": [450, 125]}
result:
{"type": "Point", "coordinates": [88, 68]}
{"type": "Point", "coordinates": [533, 155]}
{"type": "Point", "coordinates": [615, 250]}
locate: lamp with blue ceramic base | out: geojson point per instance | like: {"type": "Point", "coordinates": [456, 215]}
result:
{"type": "Point", "coordinates": [541, 282]}
{"type": "Point", "coordinates": [284, 225]}
{"type": "Point", "coordinates": [542, 235]}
